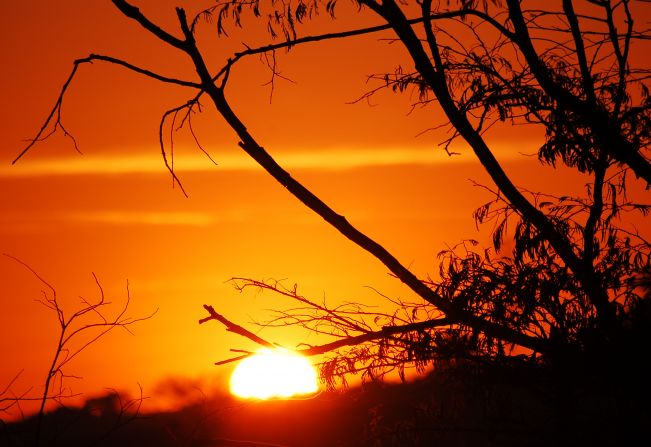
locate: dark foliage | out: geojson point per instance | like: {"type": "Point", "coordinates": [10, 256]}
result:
{"type": "Point", "coordinates": [461, 404]}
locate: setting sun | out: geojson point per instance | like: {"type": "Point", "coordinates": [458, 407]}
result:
{"type": "Point", "coordinates": [273, 373]}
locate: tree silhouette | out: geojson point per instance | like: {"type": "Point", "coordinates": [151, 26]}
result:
{"type": "Point", "coordinates": [570, 283]}
{"type": "Point", "coordinates": [78, 330]}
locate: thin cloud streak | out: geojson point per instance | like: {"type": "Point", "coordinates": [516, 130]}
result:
{"type": "Point", "coordinates": [145, 218]}
{"type": "Point", "coordinates": [28, 222]}
{"type": "Point", "coordinates": [332, 159]}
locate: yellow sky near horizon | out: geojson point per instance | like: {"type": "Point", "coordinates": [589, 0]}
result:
{"type": "Point", "coordinates": [178, 254]}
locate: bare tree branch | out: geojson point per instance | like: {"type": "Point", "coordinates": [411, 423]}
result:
{"type": "Point", "coordinates": [69, 333]}
{"type": "Point", "coordinates": [56, 110]}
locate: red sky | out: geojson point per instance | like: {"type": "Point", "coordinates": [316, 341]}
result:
{"type": "Point", "coordinates": [113, 211]}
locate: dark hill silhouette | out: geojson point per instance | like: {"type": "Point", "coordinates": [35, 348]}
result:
{"type": "Point", "coordinates": [461, 405]}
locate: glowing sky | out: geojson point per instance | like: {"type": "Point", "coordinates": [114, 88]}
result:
{"type": "Point", "coordinates": [113, 211]}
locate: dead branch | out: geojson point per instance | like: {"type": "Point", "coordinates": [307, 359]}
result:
{"type": "Point", "coordinates": [69, 332]}
{"type": "Point", "coordinates": [41, 135]}
{"type": "Point", "coordinates": [368, 336]}
{"type": "Point", "coordinates": [235, 328]}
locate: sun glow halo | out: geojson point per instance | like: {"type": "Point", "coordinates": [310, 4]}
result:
{"type": "Point", "coordinates": [273, 373]}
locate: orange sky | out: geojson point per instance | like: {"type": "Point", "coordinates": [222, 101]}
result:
{"type": "Point", "coordinates": [113, 211]}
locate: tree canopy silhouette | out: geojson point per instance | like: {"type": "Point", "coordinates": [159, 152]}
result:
{"type": "Point", "coordinates": [574, 278]}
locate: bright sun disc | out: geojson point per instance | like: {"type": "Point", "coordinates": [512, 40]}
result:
{"type": "Point", "coordinates": [273, 373]}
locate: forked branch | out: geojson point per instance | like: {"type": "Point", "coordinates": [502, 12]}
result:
{"type": "Point", "coordinates": [367, 336]}
{"type": "Point", "coordinates": [71, 329]}
{"type": "Point", "coordinates": [54, 117]}
{"type": "Point", "coordinates": [262, 157]}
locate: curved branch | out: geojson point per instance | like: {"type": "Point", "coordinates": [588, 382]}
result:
{"type": "Point", "coordinates": [359, 32]}
{"type": "Point", "coordinates": [367, 336]}
{"type": "Point", "coordinates": [264, 159]}
{"type": "Point", "coordinates": [385, 332]}
{"type": "Point", "coordinates": [143, 71]}
{"type": "Point", "coordinates": [56, 110]}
